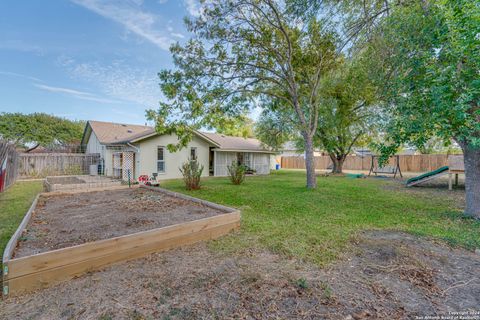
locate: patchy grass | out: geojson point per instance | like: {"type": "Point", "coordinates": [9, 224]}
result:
{"type": "Point", "coordinates": [14, 203]}
{"type": "Point", "coordinates": [280, 214]}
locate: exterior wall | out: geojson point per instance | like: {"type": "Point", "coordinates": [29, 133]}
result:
{"type": "Point", "coordinates": [93, 145]}
{"type": "Point", "coordinates": [260, 162]}
{"type": "Point", "coordinates": [147, 160]}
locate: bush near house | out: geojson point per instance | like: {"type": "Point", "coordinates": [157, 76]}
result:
{"type": "Point", "coordinates": [236, 172]}
{"type": "Point", "coordinates": [191, 172]}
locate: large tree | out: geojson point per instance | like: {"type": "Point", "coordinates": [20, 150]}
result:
{"type": "Point", "coordinates": [426, 55]}
{"type": "Point", "coordinates": [242, 54]}
{"type": "Point", "coordinates": [346, 113]}
{"type": "Point", "coordinates": [345, 116]}
{"type": "Point", "coordinates": [240, 126]}
{"type": "Point", "coordinates": [39, 129]}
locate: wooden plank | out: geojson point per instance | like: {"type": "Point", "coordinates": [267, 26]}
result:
{"type": "Point", "coordinates": [12, 243]}
{"type": "Point", "coordinates": [56, 258]}
{"type": "Point", "coordinates": [408, 163]}
{"type": "Point", "coordinates": [455, 163]}
{"type": "Point", "coordinates": [42, 279]}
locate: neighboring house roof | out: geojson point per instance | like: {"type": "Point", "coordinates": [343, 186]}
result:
{"type": "Point", "coordinates": [363, 152]}
{"type": "Point", "coordinates": [290, 146]}
{"type": "Point", "coordinates": [119, 133]}
{"type": "Point", "coordinates": [229, 143]}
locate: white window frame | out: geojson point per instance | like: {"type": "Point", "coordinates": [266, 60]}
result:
{"type": "Point", "coordinates": [164, 165]}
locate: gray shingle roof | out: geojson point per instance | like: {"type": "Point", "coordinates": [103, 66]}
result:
{"type": "Point", "coordinates": [235, 143]}
{"type": "Point", "coordinates": [119, 133]}
{"type": "Point", "coordinates": [111, 133]}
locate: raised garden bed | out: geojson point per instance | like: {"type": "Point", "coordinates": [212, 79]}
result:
{"type": "Point", "coordinates": [82, 183]}
{"type": "Point", "coordinates": [65, 235]}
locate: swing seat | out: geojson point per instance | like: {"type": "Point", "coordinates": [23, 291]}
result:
{"type": "Point", "coordinates": [385, 169]}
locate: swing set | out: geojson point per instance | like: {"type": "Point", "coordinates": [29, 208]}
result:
{"type": "Point", "coordinates": [387, 169]}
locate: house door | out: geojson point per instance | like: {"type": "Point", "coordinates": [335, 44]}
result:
{"type": "Point", "coordinates": [117, 164]}
{"type": "Point", "coordinates": [211, 162]}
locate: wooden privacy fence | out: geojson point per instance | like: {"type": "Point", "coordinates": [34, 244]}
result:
{"type": "Point", "coordinates": [55, 164]}
{"type": "Point", "coordinates": [408, 163]}
{"type": "Point", "coordinates": [8, 165]}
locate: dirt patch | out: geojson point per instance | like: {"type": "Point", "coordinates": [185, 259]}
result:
{"type": "Point", "coordinates": [392, 276]}
{"type": "Point", "coordinates": [61, 221]}
{"type": "Point", "coordinates": [433, 189]}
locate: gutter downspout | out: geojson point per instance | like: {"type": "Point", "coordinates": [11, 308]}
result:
{"type": "Point", "coordinates": [131, 145]}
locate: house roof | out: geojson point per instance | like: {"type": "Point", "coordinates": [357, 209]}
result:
{"type": "Point", "coordinates": [120, 133]}
{"type": "Point", "coordinates": [229, 143]}
{"type": "Point", "coordinates": [112, 133]}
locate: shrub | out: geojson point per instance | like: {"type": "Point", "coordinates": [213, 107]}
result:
{"type": "Point", "coordinates": [191, 172]}
{"type": "Point", "coordinates": [237, 172]}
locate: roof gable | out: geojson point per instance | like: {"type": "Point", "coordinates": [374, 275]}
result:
{"type": "Point", "coordinates": [112, 133]}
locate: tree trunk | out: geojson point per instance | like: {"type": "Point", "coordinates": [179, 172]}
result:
{"type": "Point", "coordinates": [337, 163]}
{"type": "Point", "coordinates": [33, 148]}
{"type": "Point", "coordinates": [471, 156]}
{"type": "Point", "coordinates": [310, 162]}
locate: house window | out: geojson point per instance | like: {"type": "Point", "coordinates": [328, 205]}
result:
{"type": "Point", "coordinates": [247, 160]}
{"type": "Point", "coordinates": [161, 159]}
{"type": "Point", "coordinates": [244, 158]}
{"type": "Point", "coordinates": [239, 158]}
{"type": "Point", "coordinates": [193, 153]}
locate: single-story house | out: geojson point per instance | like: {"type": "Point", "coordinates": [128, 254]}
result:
{"type": "Point", "coordinates": [129, 151]}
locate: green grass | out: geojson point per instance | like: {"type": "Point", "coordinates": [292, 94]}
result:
{"type": "Point", "coordinates": [14, 203]}
{"type": "Point", "coordinates": [280, 214]}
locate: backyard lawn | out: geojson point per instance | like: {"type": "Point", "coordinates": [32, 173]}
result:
{"type": "Point", "coordinates": [280, 214]}
{"type": "Point", "coordinates": [14, 203]}
{"type": "Point", "coordinates": [273, 266]}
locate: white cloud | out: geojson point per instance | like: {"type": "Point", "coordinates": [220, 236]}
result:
{"type": "Point", "coordinates": [74, 93]}
{"type": "Point", "coordinates": [132, 17]}
{"type": "Point", "coordinates": [178, 35]}
{"type": "Point", "coordinates": [19, 75]}
{"type": "Point", "coordinates": [193, 7]}
{"type": "Point", "coordinates": [118, 80]}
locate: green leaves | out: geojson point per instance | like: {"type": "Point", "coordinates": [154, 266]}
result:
{"type": "Point", "coordinates": [242, 55]}
{"type": "Point", "coordinates": [39, 128]}
{"type": "Point", "coordinates": [426, 59]}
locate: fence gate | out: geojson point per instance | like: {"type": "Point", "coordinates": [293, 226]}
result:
{"type": "Point", "coordinates": [127, 166]}
{"type": "Point", "coordinates": [117, 164]}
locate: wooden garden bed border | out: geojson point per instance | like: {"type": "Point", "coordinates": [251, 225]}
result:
{"type": "Point", "coordinates": [40, 270]}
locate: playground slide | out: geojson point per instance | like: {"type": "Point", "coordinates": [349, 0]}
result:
{"type": "Point", "coordinates": [427, 176]}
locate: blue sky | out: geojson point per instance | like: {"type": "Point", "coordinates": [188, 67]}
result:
{"type": "Point", "coordinates": [87, 59]}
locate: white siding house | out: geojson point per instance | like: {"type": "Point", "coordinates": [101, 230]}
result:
{"type": "Point", "coordinates": [130, 151]}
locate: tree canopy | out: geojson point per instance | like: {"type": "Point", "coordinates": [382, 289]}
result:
{"type": "Point", "coordinates": [425, 58]}
{"type": "Point", "coordinates": [242, 54]}
{"type": "Point", "coordinates": [39, 129]}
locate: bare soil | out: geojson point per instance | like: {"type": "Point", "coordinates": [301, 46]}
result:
{"type": "Point", "coordinates": [392, 276]}
{"type": "Point", "coordinates": [66, 220]}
